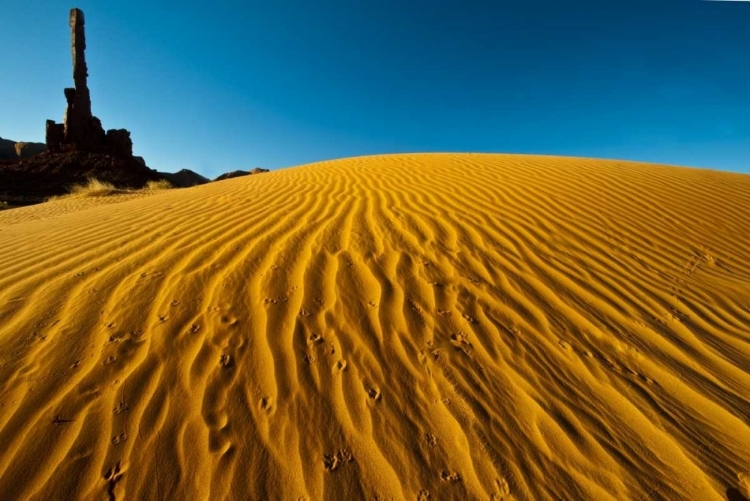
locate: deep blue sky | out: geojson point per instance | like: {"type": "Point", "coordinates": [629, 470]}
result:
{"type": "Point", "coordinates": [223, 85]}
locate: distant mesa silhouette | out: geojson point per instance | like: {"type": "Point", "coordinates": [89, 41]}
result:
{"type": "Point", "coordinates": [11, 150]}
{"type": "Point", "coordinates": [240, 173]}
{"type": "Point", "coordinates": [184, 178]}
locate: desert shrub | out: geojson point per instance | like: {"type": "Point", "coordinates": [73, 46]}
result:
{"type": "Point", "coordinates": [161, 184]}
{"type": "Point", "coordinates": [94, 188]}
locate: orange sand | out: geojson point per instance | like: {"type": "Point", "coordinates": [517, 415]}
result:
{"type": "Point", "coordinates": [393, 327]}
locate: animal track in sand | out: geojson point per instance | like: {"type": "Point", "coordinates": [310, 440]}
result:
{"type": "Point", "coordinates": [280, 299]}
{"type": "Point", "coordinates": [459, 338]}
{"type": "Point", "coordinates": [340, 366]}
{"type": "Point", "coordinates": [332, 462]}
{"type": "Point", "coordinates": [431, 439]}
{"type": "Point", "coordinates": [228, 320]}
{"type": "Point", "coordinates": [469, 318]}
{"type": "Point", "coordinates": [315, 338]}
{"type": "Point", "coordinates": [304, 313]}
{"type": "Point", "coordinates": [423, 495]}
{"type": "Point", "coordinates": [448, 476]}
{"type": "Point", "coordinates": [110, 361]}
{"type": "Point", "coordinates": [113, 476]}
{"type": "Point", "coordinates": [226, 360]}
{"type": "Point", "coordinates": [310, 359]}
{"type": "Point", "coordinates": [58, 421]}
{"type": "Point", "coordinates": [373, 393]}
{"type": "Point", "coordinates": [444, 313]}
{"type": "Point", "coordinates": [265, 403]}
{"type": "Point", "coordinates": [501, 485]}
{"type": "Point", "coordinates": [121, 407]}
{"type": "Point", "coordinates": [118, 439]}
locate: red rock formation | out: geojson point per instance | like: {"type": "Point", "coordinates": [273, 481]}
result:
{"type": "Point", "coordinates": [80, 130]}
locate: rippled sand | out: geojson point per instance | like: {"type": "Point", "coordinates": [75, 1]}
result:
{"type": "Point", "coordinates": [391, 327]}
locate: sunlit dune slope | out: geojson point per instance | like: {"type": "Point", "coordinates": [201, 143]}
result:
{"type": "Point", "coordinates": [394, 327]}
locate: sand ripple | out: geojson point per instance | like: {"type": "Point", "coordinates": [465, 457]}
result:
{"type": "Point", "coordinates": [393, 327]}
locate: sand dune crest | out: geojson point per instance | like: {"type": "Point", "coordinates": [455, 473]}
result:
{"type": "Point", "coordinates": [391, 327]}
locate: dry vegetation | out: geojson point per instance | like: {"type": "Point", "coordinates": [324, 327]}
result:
{"type": "Point", "coordinates": [96, 188]}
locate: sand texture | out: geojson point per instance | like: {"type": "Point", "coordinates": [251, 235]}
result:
{"type": "Point", "coordinates": [392, 327]}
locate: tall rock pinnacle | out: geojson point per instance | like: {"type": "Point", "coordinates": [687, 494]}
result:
{"type": "Point", "coordinates": [80, 71]}
{"type": "Point", "coordinates": [81, 130]}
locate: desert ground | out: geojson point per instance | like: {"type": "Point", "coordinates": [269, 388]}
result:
{"type": "Point", "coordinates": [420, 327]}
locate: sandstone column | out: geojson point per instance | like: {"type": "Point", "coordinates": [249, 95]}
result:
{"type": "Point", "coordinates": [78, 124]}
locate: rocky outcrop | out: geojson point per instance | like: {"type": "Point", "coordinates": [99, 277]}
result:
{"type": "Point", "coordinates": [80, 130]}
{"type": "Point", "coordinates": [240, 173]}
{"type": "Point", "coordinates": [119, 142]}
{"type": "Point", "coordinates": [77, 149]}
{"type": "Point", "coordinates": [32, 180]}
{"type": "Point", "coordinates": [11, 150]}
{"type": "Point", "coordinates": [26, 150]}
{"type": "Point", "coordinates": [184, 178]}
{"type": "Point", "coordinates": [7, 149]}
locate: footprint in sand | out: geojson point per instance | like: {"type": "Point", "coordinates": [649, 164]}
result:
{"type": "Point", "coordinates": [469, 318]}
{"type": "Point", "coordinates": [431, 439]}
{"type": "Point", "coordinates": [315, 338]}
{"type": "Point", "coordinates": [332, 462]}
{"type": "Point", "coordinates": [373, 393]}
{"type": "Point", "coordinates": [226, 360]}
{"type": "Point", "coordinates": [113, 476]}
{"type": "Point", "coordinates": [448, 476]}
{"type": "Point", "coordinates": [310, 359]}
{"type": "Point", "coordinates": [119, 438]}
{"type": "Point", "coordinates": [340, 366]}
{"type": "Point", "coordinates": [423, 495]}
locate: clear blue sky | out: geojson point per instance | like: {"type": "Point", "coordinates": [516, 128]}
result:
{"type": "Point", "coordinates": [223, 85]}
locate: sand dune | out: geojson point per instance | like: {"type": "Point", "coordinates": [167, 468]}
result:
{"type": "Point", "coordinates": [394, 327]}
